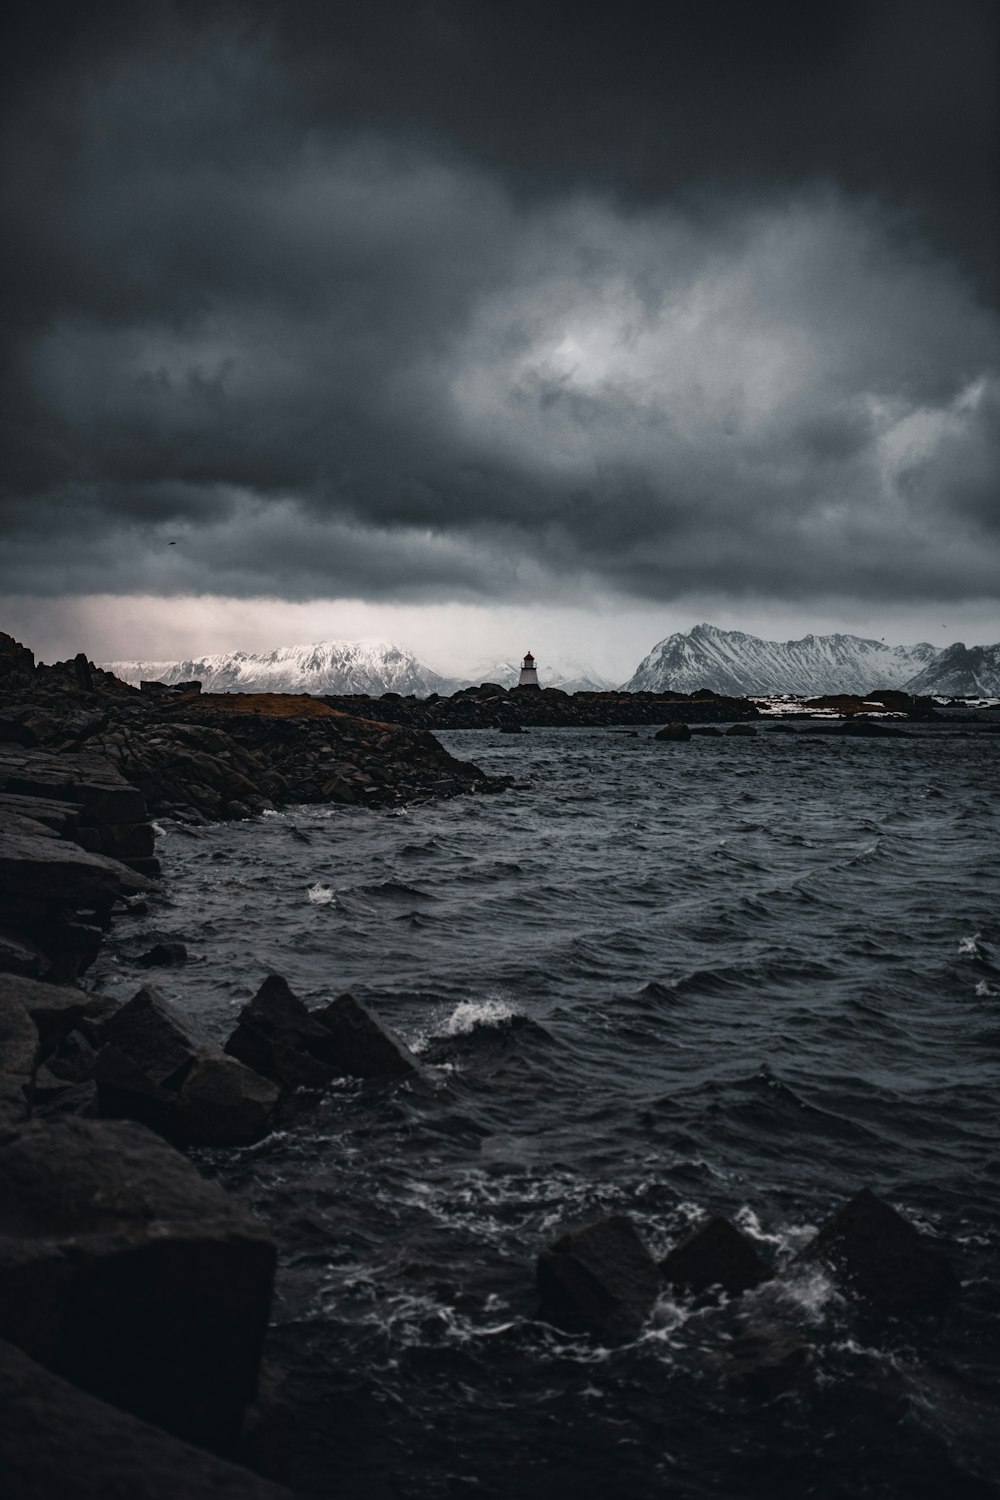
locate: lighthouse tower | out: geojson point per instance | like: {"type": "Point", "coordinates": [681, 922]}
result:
{"type": "Point", "coordinates": [529, 673]}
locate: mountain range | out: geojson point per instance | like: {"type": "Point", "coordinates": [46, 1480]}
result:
{"type": "Point", "coordinates": [336, 667]}
{"type": "Point", "coordinates": [724, 661]}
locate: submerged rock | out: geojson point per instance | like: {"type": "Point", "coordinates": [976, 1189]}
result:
{"type": "Point", "coordinates": [600, 1277]}
{"type": "Point", "coordinates": [741, 730]}
{"type": "Point", "coordinates": [765, 1361]}
{"type": "Point", "coordinates": [673, 732]}
{"type": "Point", "coordinates": [162, 955]}
{"type": "Point", "coordinates": [716, 1256]}
{"type": "Point", "coordinates": [882, 1257]}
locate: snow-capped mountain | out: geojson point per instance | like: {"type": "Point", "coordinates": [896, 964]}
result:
{"type": "Point", "coordinates": [559, 672]}
{"type": "Point", "coordinates": [728, 661]}
{"type": "Point", "coordinates": [365, 666]}
{"type": "Point", "coordinates": [961, 672]}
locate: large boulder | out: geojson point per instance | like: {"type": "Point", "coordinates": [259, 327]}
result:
{"type": "Point", "coordinates": [56, 1009]}
{"type": "Point", "coordinates": [222, 1103]}
{"type": "Point", "coordinates": [363, 1046]}
{"type": "Point", "coordinates": [154, 1068]}
{"type": "Point", "coordinates": [673, 732]}
{"type": "Point", "coordinates": [20, 1045]}
{"type": "Point", "coordinates": [148, 1051]}
{"type": "Point", "coordinates": [126, 1272]}
{"type": "Point", "coordinates": [57, 1441]}
{"type": "Point", "coordinates": [278, 1037]}
{"type": "Point", "coordinates": [54, 870]}
{"type": "Point", "coordinates": [600, 1277]}
{"type": "Point", "coordinates": [882, 1257]}
{"type": "Point", "coordinates": [716, 1257]}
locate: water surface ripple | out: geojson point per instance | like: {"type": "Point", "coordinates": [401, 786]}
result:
{"type": "Point", "coordinates": [739, 975]}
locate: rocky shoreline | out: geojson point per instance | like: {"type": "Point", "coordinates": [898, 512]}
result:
{"type": "Point", "coordinates": [134, 1294]}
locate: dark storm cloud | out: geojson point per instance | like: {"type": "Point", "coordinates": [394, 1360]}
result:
{"type": "Point", "coordinates": [451, 300]}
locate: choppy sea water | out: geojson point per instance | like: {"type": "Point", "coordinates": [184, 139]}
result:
{"type": "Point", "coordinates": [745, 976]}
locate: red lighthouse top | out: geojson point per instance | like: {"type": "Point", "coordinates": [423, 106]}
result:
{"type": "Point", "coordinates": [528, 657]}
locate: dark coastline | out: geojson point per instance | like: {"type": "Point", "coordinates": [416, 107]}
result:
{"type": "Point", "coordinates": [86, 765]}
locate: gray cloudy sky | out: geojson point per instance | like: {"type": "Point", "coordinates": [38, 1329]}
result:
{"type": "Point", "coordinates": [452, 318]}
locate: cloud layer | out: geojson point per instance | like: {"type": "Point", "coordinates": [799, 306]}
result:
{"type": "Point", "coordinates": [329, 356]}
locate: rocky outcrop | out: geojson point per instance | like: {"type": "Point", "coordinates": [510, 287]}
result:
{"type": "Point", "coordinates": [676, 733]}
{"type": "Point", "coordinates": [884, 1260]}
{"type": "Point", "coordinates": [152, 1067]}
{"type": "Point", "coordinates": [55, 1440]}
{"type": "Point", "coordinates": [125, 1272]}
{"type": "Point", "coordinates": [280, 1038]}
{"type": "Point", "coordinates": [600, 1277]}
{"type": "Point", "coordinates": [717, 1257]}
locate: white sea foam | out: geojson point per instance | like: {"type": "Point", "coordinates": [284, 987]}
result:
{"type": "Point", "coordinates": [968, 947]}
{"type": "Point", "coordinates": [321, 895]}
{"type": "Point", "coordinates": [472, 1013]}
{"type": "Point", "coordinates": [983, 990]}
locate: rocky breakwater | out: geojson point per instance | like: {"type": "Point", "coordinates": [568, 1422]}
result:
{"type": "Point", "coordinates": [135, 1295]}
{"type": "Point", "coordinates": [75, 846]}
{"type": "Point", "coordinates": [216, 756]}
{"type": "Point", "coordinates": [491, 706]}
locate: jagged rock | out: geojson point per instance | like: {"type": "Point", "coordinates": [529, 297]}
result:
{"type": "Point", "coordinates": [600, 1277]}
{"type": "Point", "coordinates": [162, 955]}
{"type": "Point", "coordinates": [56, 1009]}
{"type": "Point", "coordinates": [673, 732]}
{"type": "Point", "coordinates": [21, 957]}
{"type": "Point", "coordinates": [33, 865]}
{"type": "Point", "coordinates": [57, 1441]}
{"type": "Point", "coordinates": [13, 1112]}
{"type": "Point", "coordinates": [279, 1038]}
{"type": "Point", "coordinates": [131, 1275]}
{"type": "Point", "coordinates": [223, 1103]}
{"type": "Point", "coordinates": [882, 1257]}
{"type": "Point", "coordinates": [20, 1045]}
{"type": "Point", "coordinates": [79, 1099]}
{"type": "Point", "coordinates": [363, 1046]}
{"type": "Point", "coordinates": [716, 1255]}
{"type": "Point", "coordinates": [152, 1034]}
{"type": "Point", "coordinates": [741, 730]}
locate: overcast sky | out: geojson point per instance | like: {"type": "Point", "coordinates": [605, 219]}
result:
{"type": "Point", "coordinates": [481, 324]}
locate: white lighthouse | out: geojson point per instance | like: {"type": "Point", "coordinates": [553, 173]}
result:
{"type": "Point", "coordinates": [529, 672]}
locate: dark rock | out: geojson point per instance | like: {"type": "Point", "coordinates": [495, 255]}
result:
{"type": "Point", "coordinates": [278, 1038]}
{"type": "Point", "coordinates": [133, 1276]}
{"type": "Point", "coordinates": [80, 1099]}
{"type": "Point", "coordinates": [715, 1256]}
{"type": "Point", "coordinates": [265, 1444]}
{"type": "Point", "coordinates": [57, 1441]}
{"type": "Point", "coordinates": [223, 1103]}
{"type": "Point", "coordinates": [673, 732]}
{"type": "Point", "coordinates": [20, 1045]}
{"type": "Point", "coordinates": [766, 1361]}
{"type": "Point", "coordinates": [600, 1277]}
{"type": "Point", "coordinates": [162, 955]}
{"type": "Point", "coordinates": [868, 729]}
{"type": "Point", "coordinates": [32, 865]}
{"type": "Point", "coordinates": [126, 1092]}
{"type": "Point", "coordinates": [13, 1114]}
{"type": "Point", "coordinates": [882, 1257]}
{"type": "Point", "coordinates": [363, 1046]}
{"type": "Point", "coordinates": [19, 956]}
{"type": "Point", "coordinates": [153, 1035]}
{"type": "Point", "coordinates": [741, 730]}
{"type": "Point", "coordinates": [511, 727]}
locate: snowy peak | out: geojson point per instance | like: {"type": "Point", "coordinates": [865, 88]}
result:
{"type": "Point", "coordinates": [961, 671]}
{"type": "Point", "coordinates": [729, 661]}
{"type": "Point", "coordinates": [365, 666]}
